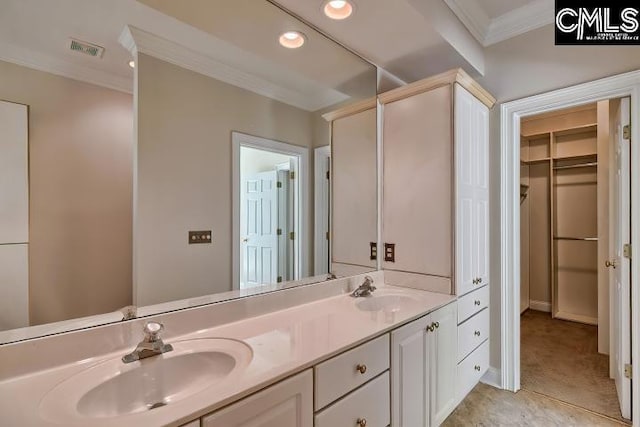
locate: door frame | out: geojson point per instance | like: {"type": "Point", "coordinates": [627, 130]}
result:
{"type": "Point", "coordinates": [623, 85]}
{"type": "Point", "coordinates": [301, 188]}
{"type": "Point", "coordinates": [321, 253]}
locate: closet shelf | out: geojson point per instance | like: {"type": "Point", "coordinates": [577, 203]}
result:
{"type": "Point", "coordinates": [544, 159]}
{"type": "Point", "coordinates": [579, 165]}
{"type": "Point", "coordinates": [576, 157]}
{"type": "Point", "coordinates": [582, 239]}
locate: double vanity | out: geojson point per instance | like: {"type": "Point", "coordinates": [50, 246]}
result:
{"type": "Point", "coordinates": [325, 358]}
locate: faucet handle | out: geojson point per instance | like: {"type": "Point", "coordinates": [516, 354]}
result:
{"type": "Point", "coordinates": [368, 279]}
{"type": "Point", "coordinates": [152, 330]}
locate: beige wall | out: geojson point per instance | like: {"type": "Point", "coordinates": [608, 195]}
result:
{"type": "Point", "coordinates": [527, 65]}
{"type": "Point", "coordinates": [80, 193]}
{"type": "Point", "coordinates": [183, 175]}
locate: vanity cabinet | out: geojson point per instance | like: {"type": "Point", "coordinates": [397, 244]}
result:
{"type": "Point", "coordinates": [288, 403]}
{"type": "Point", "coordinates": [435, 180]}
{"type": "Point", "coordinates": [423, 369]}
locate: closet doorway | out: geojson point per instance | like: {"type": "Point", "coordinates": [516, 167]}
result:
{"type": "Point", "coordinates": [574, 264]}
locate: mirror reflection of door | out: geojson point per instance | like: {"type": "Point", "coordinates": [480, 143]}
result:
{"type": "Point", "coordinates": [267, 217]}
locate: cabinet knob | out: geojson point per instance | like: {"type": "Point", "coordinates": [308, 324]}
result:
{"type": "Point", "coordinates": [477, 368]}
{"type": "Point", "coordinates": [477, 302]}
{"type": "Point", "coordinates": [362, 422]}
{"type": "Point", "coordinates": [479, 279]}
{"type": "Point", "coordinates": [476, 333]}
{"type": "Point", "coordinates": [437, 325]}
{"type": "Point", "coordinates": [362, 369]}
{"type": "Point", "coordinates": [431, 328]}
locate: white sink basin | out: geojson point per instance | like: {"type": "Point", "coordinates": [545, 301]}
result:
{"type": "Point", "coordinates": [387, 302]}
{"type": "Point", "coordinates": [113, 388]}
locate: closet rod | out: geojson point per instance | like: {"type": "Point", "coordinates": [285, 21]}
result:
{"type": "Point", "coordinates": [580, 165]}
{"type": "Point", "coordinates": [585, 239]}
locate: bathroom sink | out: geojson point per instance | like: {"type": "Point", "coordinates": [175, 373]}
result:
{"type": "Point", "coordinates": [384, 302]}
{"type": "Point", "coordinates": [113, 388]}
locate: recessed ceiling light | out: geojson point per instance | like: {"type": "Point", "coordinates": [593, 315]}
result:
{"type": "Point", "coordinates": [132, 64]}
{"type": "Point", "coordinates": [338, 9]}
{"type": "Point", "coordinates": [292, 39]}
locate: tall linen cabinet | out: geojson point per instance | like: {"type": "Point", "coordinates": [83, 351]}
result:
{"type": "Point", "coordinates": [435, 224]}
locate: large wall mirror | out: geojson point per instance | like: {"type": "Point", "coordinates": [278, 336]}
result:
{"type": "Point", "coordinates": [157, 155]}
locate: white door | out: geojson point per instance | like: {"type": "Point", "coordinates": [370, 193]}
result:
{"type": "Point", "coordinates": [287, 404]}
{"type": "Point", "coordinates": [620, 274]}
{"type": "Point", "coordinates": [258, 230]}
{"type": "Point", "coordinates": [409, 375]}
{"type": "Point", "coordinates": [465, 175]}
{"type": "Point", "coordinates": [442, 362]}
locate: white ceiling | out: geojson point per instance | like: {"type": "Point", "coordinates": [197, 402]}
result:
{"type": "Point", "coordinates": [36, 33]}
{"type": "Point", "coordinates": [411, 39]}
{"type": "Point", "coordinates": [495, 8]}
{"type": "Point", "coordinates": [416, 38]}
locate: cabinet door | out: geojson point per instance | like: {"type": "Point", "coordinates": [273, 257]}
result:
{"type": "Point", "coordinates": [472, 191]}
{"type": "Point", "coordinates": [417, 173]}
{"type": "Point", "coordinates": [442, 363]}
{"type": "Point", "coordinates": [354, 190]}
{"type": "Point", "coordinates": [481, 133]}
{"type": "Point", "coordinates": [286, 404]}
{"type": "Point", "coordinates": [409, 376]}
{"type": "Point", "coordinates": [465, 173]}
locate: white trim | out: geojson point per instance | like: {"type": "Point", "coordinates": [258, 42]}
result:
{"type": "Point", "coordinates": [619, 86]}
{"type": "Point", "coordinates": [472, 16]}
{"type": "Point", "coordinates": [511, 24]}
{"type": "Point", "coordinates": [321, 156]}
{"type": "Point", "coordinates": [60, 67]}
{"type": "Point", "coordinates": [519, 21]}
{"type": "Point", "coordinates": [540, 306]}
{"type": "Point", "coordinates": [243, 140]}
{"type": "Point", "coordinates": [137, 41]}
{"type": "Point", "coordinates": [492, 377]}
{"type": "Point", "coordinates": [576, 318]}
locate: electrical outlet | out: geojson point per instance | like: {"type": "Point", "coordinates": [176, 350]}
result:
{"type": "Point", "coordinates": [197, 237]}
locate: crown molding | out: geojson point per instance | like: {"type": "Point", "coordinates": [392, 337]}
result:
{"type": "Point", "coordinates": [139, 41]}
{"type": "Point", "coordinates": [472, 16]}
{"type": "Point", "coordinates": [511, 24]}
{"type": "Point", "coordinates": [63, 68]}
{"type": "Point", "coordinates": [519, 21]}
{"type": "Point", "coordinates": [450, 77]}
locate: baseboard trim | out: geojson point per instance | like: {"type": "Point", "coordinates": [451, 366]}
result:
{"type": "Point", "coordinates": [540, 306]}
{"type": "Point", "coordinates": [577, 318]}
{"type": "Point", "coordinates": [492, 377]}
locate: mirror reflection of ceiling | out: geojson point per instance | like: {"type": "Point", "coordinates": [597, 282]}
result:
{"type": "Point", "coordinates": [242, 34]}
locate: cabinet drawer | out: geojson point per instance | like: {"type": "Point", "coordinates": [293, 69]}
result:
{"type": "Point", "coordinates": [338, 376]}
{"type": "Point", "coordinates": [471, 369]}
{"type": "Point", "coordinates": [370, 403]}
{"type": "Point", "coordinates": [472, 333]}
{"type": "Point", "coordinates": [472, 303]}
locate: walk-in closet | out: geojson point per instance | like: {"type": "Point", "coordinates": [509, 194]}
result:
{"type": "Point", "coordinates": [564, 199]}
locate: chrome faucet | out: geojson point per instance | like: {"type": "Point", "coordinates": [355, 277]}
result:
{"type": "Point", "coordinates": [151, 344]}
{"type": "Point", "coordinates": [365, 289]}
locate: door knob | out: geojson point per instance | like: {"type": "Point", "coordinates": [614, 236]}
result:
{"type": "Point", "coordinates": [610, 264]}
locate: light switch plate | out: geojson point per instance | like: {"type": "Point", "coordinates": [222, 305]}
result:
{"type": "Point", "coordinates": [197, 237]}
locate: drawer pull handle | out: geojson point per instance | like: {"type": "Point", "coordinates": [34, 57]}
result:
{"type": "Point", "coordinates": [476, 333]}
{"type": "Point", "coordinates": [477, 302]}
{"type": "Point", "coordinates": [362, 422]}
{"type": "Point", "coordinates": [477, 368]}
{"type": "Point", "coordinates": [362, 369]}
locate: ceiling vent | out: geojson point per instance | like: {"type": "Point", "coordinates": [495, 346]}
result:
{"type": "Point", "coordinates": [86, 48]}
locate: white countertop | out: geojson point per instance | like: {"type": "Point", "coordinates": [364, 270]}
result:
{"type": "Point", "coordinates": [284, 342]}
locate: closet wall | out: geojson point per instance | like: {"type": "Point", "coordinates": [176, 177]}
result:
{"type": "Point", "coordinates": [560, 201]}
